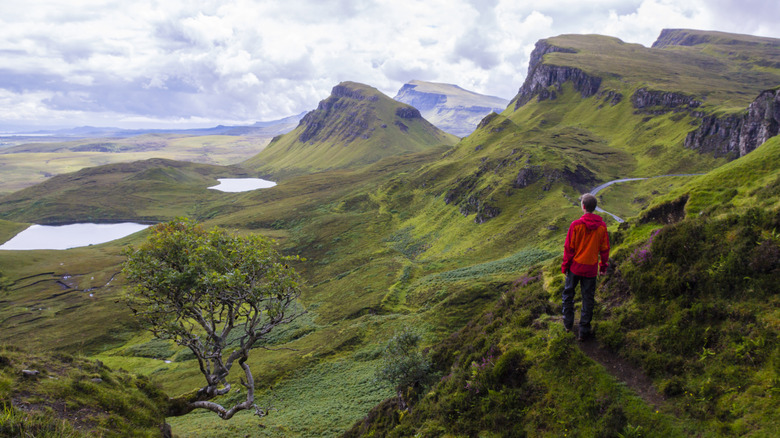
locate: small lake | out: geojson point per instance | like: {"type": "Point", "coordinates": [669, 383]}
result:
{"type": "Point", "coordinates": [235, 185]}
{"type": "Point", "coordinates": [69, 236]}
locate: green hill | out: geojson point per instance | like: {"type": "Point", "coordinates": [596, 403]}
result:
{"type": "Point", "coordinates": [462, 244]}
{"type": "Point", "coordinates": [690, 306]}
{"type": "Point", "coordinates": [355, 126]}
{"type": "Point", "coordinates": [150, 190]}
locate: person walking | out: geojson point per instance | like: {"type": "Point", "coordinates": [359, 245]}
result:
{"type": "Point", "coordinates": [585, 256]}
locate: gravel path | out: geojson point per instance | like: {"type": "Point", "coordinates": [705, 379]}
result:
{"type": "Point", "coordinates": [607, 184]}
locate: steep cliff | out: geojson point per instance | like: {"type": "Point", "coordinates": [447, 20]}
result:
{"type": "Point", "coordinates": [451, 108]}
{"type": "Point", "coordinates": [542, 76]}
{"type": "Point", "coordinates": [736, 135]}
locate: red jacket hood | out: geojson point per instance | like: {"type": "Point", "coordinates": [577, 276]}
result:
{"type": "Point", "coordinates": [592, 221]}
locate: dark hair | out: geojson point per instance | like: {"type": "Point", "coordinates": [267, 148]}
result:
{"type": "Point", "coordinates": [589, 202]}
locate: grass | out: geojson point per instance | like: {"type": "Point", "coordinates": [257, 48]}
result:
{"type": "Point", "coordinates": [306, 404]}
{"type": "Point", "coordinates": [71, 396]}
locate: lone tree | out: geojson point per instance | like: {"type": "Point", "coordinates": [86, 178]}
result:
{"type": "Point", "coordinates": [217, 294]}
{"type": "Point", "coordinates": [404, 365]}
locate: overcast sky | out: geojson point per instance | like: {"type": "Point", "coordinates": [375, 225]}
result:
{"type": "Point", "coordinates": [153, 63]}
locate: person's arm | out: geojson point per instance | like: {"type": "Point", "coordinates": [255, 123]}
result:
{"type": "Point", "coordinates": [604, 253]}
{"type": "Point", "coordinates": [568, 250]}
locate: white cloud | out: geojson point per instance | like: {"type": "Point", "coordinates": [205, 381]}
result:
{"type": "Point", "coordinates": [220, 60]}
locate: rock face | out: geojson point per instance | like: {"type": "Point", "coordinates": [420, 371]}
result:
{"type": "Point", "coordinates": [736, 135]}
{"type": "Point", "coordinates": [541, 77]}
{"type": "Point", "coordinates": [690, 37]}
{"type": "Point", "coordinates": [341, 99]}
{"type": "Point", "coordinates": [668, 101]}
{"type": "Point", "coordinates": [449, 107]}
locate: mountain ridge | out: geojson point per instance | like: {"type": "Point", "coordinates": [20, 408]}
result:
{"type": "Point", "coordinates": [449, 107]}
{"type": "Point", "coordinates": [355, 125]}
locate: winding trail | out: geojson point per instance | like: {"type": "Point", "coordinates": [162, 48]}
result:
{"type": "Point", "coordinates": [607, 184]}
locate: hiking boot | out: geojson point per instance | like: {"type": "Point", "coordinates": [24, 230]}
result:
{"type": "Point", "coordinates": [582, 337]}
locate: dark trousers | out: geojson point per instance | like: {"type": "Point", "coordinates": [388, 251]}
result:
{"type": "Point", "coordinates": [588, 289]}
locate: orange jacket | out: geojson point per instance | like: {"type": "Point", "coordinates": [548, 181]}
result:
{"type": "Point", "coordinates": [586, 242]}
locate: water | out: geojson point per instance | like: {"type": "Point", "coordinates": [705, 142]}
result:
{"type": "Point", "coordinates": [69, 236]}
{"type": "Point", "coordinates": [234, 185]}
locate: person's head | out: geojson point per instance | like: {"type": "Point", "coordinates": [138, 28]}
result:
{"type": "Point", "coordinates": [588, 202]}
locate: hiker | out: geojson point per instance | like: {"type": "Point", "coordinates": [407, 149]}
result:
{"type": "Point", "coordinates": [585, 256]}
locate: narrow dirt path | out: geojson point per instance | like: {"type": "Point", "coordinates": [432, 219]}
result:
{"type": "Point", "coordinates": [624, 371]}
{"type": "Point", "coordinates": [618, 367]}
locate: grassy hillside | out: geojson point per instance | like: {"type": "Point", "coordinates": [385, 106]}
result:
{"type": "Point", "coordinates": [148, 190]}
{"type": "Point", "coordinates": [724, 71]}
{"type": "Point", "coordinates": [691, 306]}
{"type": "Point", "coordinates": [462, 244]}
{"type": "Point", "coordinates": [69, 396]}
{"type": "Point", "coordinates": [29, 164]}
{"type": "Point", "coordinates": [355, 126]}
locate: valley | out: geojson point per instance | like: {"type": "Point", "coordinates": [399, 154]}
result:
{"type": "Point", "coordinates": [403, 226]}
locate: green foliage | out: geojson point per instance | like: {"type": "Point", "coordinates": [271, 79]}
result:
{"type": "Point", "coordinates": [404, 365]}
{"type": "Point", "coordinates": [506, 265]}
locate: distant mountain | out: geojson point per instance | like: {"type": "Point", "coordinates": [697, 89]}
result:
{"type": "Point", "coordinates": [356, 125]}
{"type": "Point", "coordinates": [267, 128]}
{"type": "Point", "coordinates": [449, 107]}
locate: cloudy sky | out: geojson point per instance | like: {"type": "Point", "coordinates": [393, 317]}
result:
{"type": "Point", "coordinates": [154, 63]}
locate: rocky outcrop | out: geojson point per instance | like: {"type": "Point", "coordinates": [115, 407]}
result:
{"type": "Point", "coordinates": [527, 176]}
{"type": "Point", "coordinates": [662, 101]}
{"type": "Point", "coordinates": [611, 97]}
{"type": "Point", "coordinates": [680, 37]}
{"type": "Point", "coordinates": [581, 178]}
{"type": "Point", "coordinates": [341, 100]}
{"type": "Point", "coordinates": [406, 112]}
{"type": "Point", "coordinates": [736, 135]}
{"type": "Point", "coordinates": [341, 90]}
{"type": "Point", "coordinates": [470, 201]}
{"type": "Point", "coordinates": [541, 77]}
{"type": "Point", "coordinates": [423, 101]}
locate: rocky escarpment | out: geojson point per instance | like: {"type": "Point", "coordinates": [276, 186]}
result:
{"type": "Point", "coordinates": [541, 77]}
{"type": "Point", "coordinates": [690, 37]}
{"type": "Point", "coordinates": [659, 102]}
{"type": "Point", "coordinates": [449, 107]}
{"type": "Point", "coordinates": [409, 94]}
{"type": "Point", "coordinates": [736, 135]}
{"type": "Point", "coordinates": [341, 99]}
{"type": "Point", "coordinates": [680, 37]}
